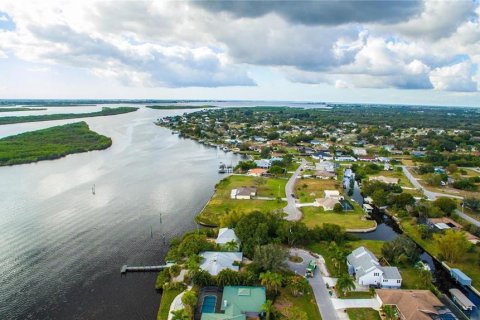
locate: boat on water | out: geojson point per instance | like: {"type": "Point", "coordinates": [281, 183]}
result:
{"type": "Point", "coordinates": [222, 168]}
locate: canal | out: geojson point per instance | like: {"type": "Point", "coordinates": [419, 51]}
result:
{"type": "Point", "coordinates": [388, 230]}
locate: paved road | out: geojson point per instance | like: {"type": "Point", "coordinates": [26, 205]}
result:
{"type": "Point", "coordinates": [322, 297]}
{"type": "Point", "coordinates": [293, 214]}
{"type": "Point", "coordinates": [433, 195]}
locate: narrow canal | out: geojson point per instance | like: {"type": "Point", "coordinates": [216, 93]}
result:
{"type": "Point", "coordinates": [388, 230]}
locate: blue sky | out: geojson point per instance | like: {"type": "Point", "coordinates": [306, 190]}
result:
{"type": "Point", "coordinates": [412, 52]}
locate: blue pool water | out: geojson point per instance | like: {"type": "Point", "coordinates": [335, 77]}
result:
{"type": "Point", "coordinates": [208, 305]}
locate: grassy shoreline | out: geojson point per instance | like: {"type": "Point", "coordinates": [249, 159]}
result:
{"type": "Point", "coordinates": [173, 107]}
{"type": "Point", "coordinates": [51, 143]}
{"type": "Point", "coordinates": [64, 116]}
{"type": "Point", "coordinates": [21, 109]}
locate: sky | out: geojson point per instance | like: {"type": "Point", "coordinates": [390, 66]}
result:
{"type": "Point", "coordinates": [398, 52]}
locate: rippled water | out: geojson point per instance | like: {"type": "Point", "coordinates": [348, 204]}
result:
{"type": "Point", "coordinates": [61, 248]}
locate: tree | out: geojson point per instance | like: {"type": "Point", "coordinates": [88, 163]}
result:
{"type": "Point", "coordinates": [228, 277]}
{"type": "Point", "coordinates": [390, 312]}
{"type": "Point", "coordinates": [202, 278]}
{"type": "Point", "coordinates": [452, 168]}
{"type": "Point", "coordinates": [189, 299]}
{"type": "Point", "coordinates": [447, 205]}
{"type": "Point", "coordinates": [402, 200]}
{"type": "Point", "coordinates": [425, 277]}
{"type": "Point", "coordinates": [270, 257]}
{"type": "Point", "coordinates": [338, 208]}
{"type": "Point", "coordinates": [276, 170]}
{"type": "Point", "coordinates": [401, 246]}
{"type": "Point", "coordinates": [265, 153]}
{"type": "Point", "coordinates": [295, 313]}
{"type": "Point", "coordinates": [253, 230]}
{"type": "Point", "coordinates": [452, 245]}
{"type": "Point", "coordinates": [268, 308]}
{"type": "Point", "coordinates": [434, 180]}
{"type": "Point", "coordinates": [231, 245]}
{"type": "Point", "coordinates": [345, 284]}
{"type": "Point", "coordinates": [297, 285]}
{"type": "Point", "coordinates": [271, 280]}
{"type": "Point", "coordinates": [472, 203]}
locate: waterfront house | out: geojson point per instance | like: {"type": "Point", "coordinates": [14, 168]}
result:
{"type": "Point", "coordinates": [366, 269]}
{"type": "Point", "coordinates": [414, 304]}
{"type": "Point", "coordinates": [263, 163]}
{"type": "Point", "coordinates": [257, 172]}
{"type": "Point", "coordinates": [238, 302]}
{"type": "Point", "coordinates": [325, 175]}
{"type": "Point", "coordinates": [333, 194]}
{"type": "Point", "coordinates": [328, 204]}
{"type": "Point", "coordinates": [215, 261]}
{"type": "Point", "coordinates": [227, 235]}
{"type": "Point", "coordinates": [243, 193]}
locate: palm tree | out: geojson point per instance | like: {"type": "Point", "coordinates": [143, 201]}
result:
{"type": "Point", "coordinates": [268, 308]}
{"type": "Point", "coordinates": [231, 245]}
{"type": "Point", "coordinates": [179, 315]}
{"type": "Point", "coordinates": [345, 284]}
{"type": "Point", "coordinates": [297, 285]}
{"type": "Point", "coordinates": [271, 280]}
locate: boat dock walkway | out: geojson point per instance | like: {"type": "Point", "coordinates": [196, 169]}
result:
{"type": "Point", "coordinates": [126, 268]}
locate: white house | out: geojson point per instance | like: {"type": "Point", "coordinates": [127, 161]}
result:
{"type": "Point", "coordinates": [213, 262]}
{"type": "Point", "coordinates": [226, 235]}
{"type": "Point", "coordinates": [368, 272]}
{"type": "Point", "coordinates": [333, 194]}
{"type": "Point", "coordinates": [243, 193]}
{"type": "Point", "coordinates": [328, 204]}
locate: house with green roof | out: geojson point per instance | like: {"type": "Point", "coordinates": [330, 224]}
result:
{"type": "Point", "coordinates": [239, 302]}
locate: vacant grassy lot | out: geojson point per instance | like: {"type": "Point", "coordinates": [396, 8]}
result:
{"type": "Point", "coordinates": [221, 203]}
{"type": "Point", "coordinates": [51, 143]}
{"type": "Point", "coordinates": [363, 314]}
{"type": "Point", "coordinates": [306, 303]}
{"type": "Point", "coordinates": [307, 190]}
{"type": "Point", "coordinates": [315, 216]}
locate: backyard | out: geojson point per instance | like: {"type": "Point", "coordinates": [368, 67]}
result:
{"type": "Point", "coordinates": [307, 190]}
{"type": "Point", "coordinates": [285, 302]}
{"type": "Point", "coordinates": [316, 216]}
{"type": "Point", "coordinates": [363, 314]}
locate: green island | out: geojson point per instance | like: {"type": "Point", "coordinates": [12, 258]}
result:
{"type": "Point", "coordinates": [21, 109]}
{"type": "Point", "coordinates": [59, 116]}
{"type": "Point", "coordinates": [179, 107]}
{"type": "Point", "coordinates": [51, 143]}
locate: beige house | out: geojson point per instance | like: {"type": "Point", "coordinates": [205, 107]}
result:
{"type": "Point", "coordinates": [243, 193]}
{"type": "Point", "coordinates": [326, 203]}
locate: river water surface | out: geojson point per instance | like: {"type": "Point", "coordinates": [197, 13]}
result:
{"type": "Point", "coordinates": [61, 247]}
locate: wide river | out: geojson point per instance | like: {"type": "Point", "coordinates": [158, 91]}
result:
{"type": "Point", "coordinates": [61, 247]}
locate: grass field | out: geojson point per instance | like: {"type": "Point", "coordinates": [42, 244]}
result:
{"type": "Point", "coordinates": [307, 190]}
{"type": "Point", "coordinates": [62, 116]}
{"type": "Point", "coordinates": [51, 143]}
{"type": "Point", "coordinates": [306, 303]}
{"type": "Point", "coordinates": [221, 203]}
{"type": "Point", "coordinates": [363, 314]}
{"type": "Point", "coordinates": [166, 301]}
{"type": "Point", "coordinates": [315, 216]}
{"type": "Point", "coordinates": [468, 264]}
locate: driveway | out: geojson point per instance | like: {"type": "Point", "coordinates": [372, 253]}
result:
{"type": "Point", "coordinates": [433, 195]}
{"type": "Point", "coordinates": [322, 297]}
{"type": "Point", "coordinates": [293, 214]}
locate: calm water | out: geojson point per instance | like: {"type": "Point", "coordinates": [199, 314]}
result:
{"type": "Point", "coordinates": [61, 248]}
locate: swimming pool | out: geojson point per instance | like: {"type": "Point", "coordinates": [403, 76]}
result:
{"type": "Point", "coordinates": [208, 305]}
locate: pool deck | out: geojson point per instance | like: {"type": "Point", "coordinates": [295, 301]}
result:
{"type": "Point", "coordinates": [205, 292]}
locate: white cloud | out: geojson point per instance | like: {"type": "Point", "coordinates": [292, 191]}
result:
{"type": "Point", "coordinates": [3, 18]}
{"type": "Point", "coordinates": [457, 77]}
{"type": "Point", "coordinates": [340, 84]}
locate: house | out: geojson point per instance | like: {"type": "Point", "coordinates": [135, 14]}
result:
{"type": "Point", "coordinates": [239, 302]}
{"type": "Point", "coordinates": [243, 193]}
{"type": "Point", "coordinates": [257, 172]}
{"type": "Point", "coordinates": [226, 235]}
{"type": "Point", "coordinates": [325, 175]}
{"type": "Point", "coordinates": [215, 261]}
{"type": "Point", "coordinates": [333, 194]}
{"type": "Point", "coordinates": [383, 179]}
{"type": "Point", "coordinates": [359, 151]}
{"type": "Point", "coordinates": [445, 223]}
{"type": "Point", "coordinates": [414, 304]}
{"type": "Point", "coordinates": [328, 204]}
{"type": "Point", "coordinates": [368, 272]}
{"type": "Point", "coordinates": [263, 163]}
{"type": "Point", "coordinates": [325, 166]}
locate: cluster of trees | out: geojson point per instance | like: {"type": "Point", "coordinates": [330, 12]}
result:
{"type": "Point", "coordinates": [51, 143]}
{"type": "Point", "coordinates": [401, 250]}
{"type": "Point", "coordinates": [387, 194]}
{"type": "Point", "coordinates": [362, 171]}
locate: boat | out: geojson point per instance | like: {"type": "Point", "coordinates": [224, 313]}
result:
{"type": "Point", "coordinates": [221, 168]}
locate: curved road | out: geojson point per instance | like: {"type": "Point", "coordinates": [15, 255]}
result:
{"type": "Point", "coordinates": [433, 195]}
{"type": "Point", "coordinates": [322, 297]}
{"type": "Point", "coordinates": [293, 214]}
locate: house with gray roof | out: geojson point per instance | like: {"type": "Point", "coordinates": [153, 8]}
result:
{"type": "Point", "coordinates": [214, 261]}
{"type": "Point", "coordinates": [226, 235]}
{"type": "Point", "coordinates": [366, 269]}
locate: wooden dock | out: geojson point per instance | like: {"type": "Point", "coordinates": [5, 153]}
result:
{"type": "Point", "coordinates": [124, 269]}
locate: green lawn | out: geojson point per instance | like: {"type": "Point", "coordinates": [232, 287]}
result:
{"type": "Point", "coordinates": [357, 295]}
{"type": "Point", "coordinates": [51, 143]}
{"type": "Point", "coordinates": [166, 301]}
{"type": "Point", "coordinates": [363, 314]}
{"type": "Point", "coordinates": [315, 216]}
{"type": "Point", "coordinates": [468, 264]}
{"type": "Point", "coordinates": [306, 303]}
{"type": "Point", "coordinates": [221, 203]}
{"type": "Point", "coordinates": [307, 190]}
{"type": "Point", "coordinates": [61, 116]}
